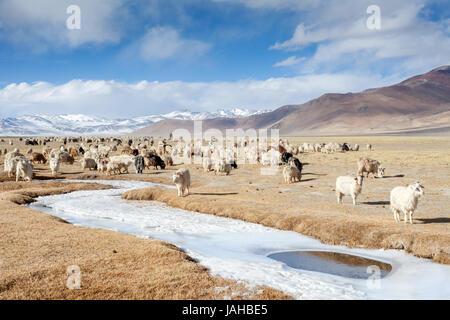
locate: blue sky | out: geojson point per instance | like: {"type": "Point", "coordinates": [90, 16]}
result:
{"type": "Point", "coordinates": [163, 55]}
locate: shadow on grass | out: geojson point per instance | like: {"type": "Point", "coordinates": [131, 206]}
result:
{"type": "Point", "coordinates": [156, 172]}
{"type": "Point", "coordinates": [310, 179]}
{"type": "Point", "coordinates": [48, 178]}
{"type": "Point", "coordinates": [213, 193]}
{"type": "Point", "coordinates": [376, 203]}
{"type": "Point", "coordinates": [396, 176]}
{"type": "Point", "coordinates": [434, 220]}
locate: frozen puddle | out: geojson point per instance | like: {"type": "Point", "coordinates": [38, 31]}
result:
{"type": "Point", "coordinates": [336, 263]}
{"type": "Point", "coordinates": [245, 251]}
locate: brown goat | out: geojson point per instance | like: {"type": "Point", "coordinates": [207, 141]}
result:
{"type": "Point", "coordinates": [369, 166]}
{"type": "Point", "coordinates": [38, 157]}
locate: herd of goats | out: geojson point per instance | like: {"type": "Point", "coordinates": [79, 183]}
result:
{"type": "Point", "coordinates": [144, 153]}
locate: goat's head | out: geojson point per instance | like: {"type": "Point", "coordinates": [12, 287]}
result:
{"type": "Point", "coordinates": [177, 177]}
{"type": "Point", "coordinates": [359, 180]}
{"type": "Point", "coordinates": [417, 188]}
{"type": "Point", "coordinates": [381, 172]}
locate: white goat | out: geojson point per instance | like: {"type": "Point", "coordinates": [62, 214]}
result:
{"type": "Point", "coordinates": [291, 174]}
{"type": "Point", "coordinates": [207, 164]}
{"type": "Point", "coordinates": [222, 166]}
{"type": "Point", "coordinates": [24, 170]}
{"type": "Point", "coordinates": [122, 161]}
{"type": "Point", "coordinates": [348, 186]}
{"type": "Point", "coordinates": [405, 199]}
{"type": "Point", "coordinates": [182, 179]}
{"type": "Point", "coordinates": [11, 162]}
{"type": "Point", "coordinates": [54, 165]}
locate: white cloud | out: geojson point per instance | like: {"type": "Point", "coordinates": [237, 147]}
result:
{"type": "Point", "coordinates": [275, 4]}
{"type": "Point", "coordinates": [117, 99]}
{"type": "Point", "coordinates": [42, 24]}
{"type": "Point", "coordinates": [162, 43]}
{"type": "Point", "coordinates": [291, 61]}
{"type": "Point", "coordinates": [342, 38]}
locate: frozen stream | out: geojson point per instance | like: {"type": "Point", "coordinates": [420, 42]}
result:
{"type": "Point", "coordinates": [238, 250]}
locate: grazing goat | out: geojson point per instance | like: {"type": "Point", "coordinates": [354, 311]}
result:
{"type": "Point", "coordinates": [222, 166]}
{"type": "Point", "coordinates": [65, 157]}
{"type": "Point", "coordinates": [73, 153]}
{"type": "Point", "coordinates": [168, 160]}
{"type": "Point", "coordinates": [405, 200]}
{"type": "Point", "coordinates": [348, 186]}
{"type": "Point", "coordinates": [154, 160]}
{"type": "Point", "coordinates": [127, 150]}
{"type": "Point", "coordinates": [207, 164]}
{"type": "Point", "coordinates": [346, 147]}
{"type": "Point", "coordinates": [182, 179]}
{"type": "Point", "coordinates": [54, 165]}
{"type": "Point", "coordinates": [112, 167]}
{"type": "Point", "coordinates": [285, 156]}
{"type": "Point", "coordinates": [11, 161]}
{"type": "Point", "coordinates": [291, 174]}
{"type": "Point", "coordinates": [46, 150]}
{"type": "Point", "coordinates": [139, 164]}
{"type": "Point", "coordinates": [294, 162]}
{"type": "Point", "coordinates": [38, 157]}
{"type": "Point", "coordinates": [117, 163]}
{"type": "Point", "coordinates": [24, 170]}
{"type": "Point", "coordinates": [88, 163]}
{"type": "Point", "coordinates": [102, 165]}
{"type": "Point", "coordinates": [370, 166]}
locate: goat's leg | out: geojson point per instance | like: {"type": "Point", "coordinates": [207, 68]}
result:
{"type": "Point", "coordinates": [396, 215]}
{"type": "Point", "coordinates": [339, 197]}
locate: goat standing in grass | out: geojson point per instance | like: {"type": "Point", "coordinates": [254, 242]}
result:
{"type": "Point", "coordinates": [182, 179]}
{"type": "Point", "coordinates": [405, 199]}
{"type": "Point", "coordinates": [348, 186]}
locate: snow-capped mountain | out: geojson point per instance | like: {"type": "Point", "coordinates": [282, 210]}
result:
{"type": "Point", "coordinates": [80, 124]}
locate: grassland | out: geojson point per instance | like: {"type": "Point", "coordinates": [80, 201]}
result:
{"type": "Point", "coordinates": [36, 248]}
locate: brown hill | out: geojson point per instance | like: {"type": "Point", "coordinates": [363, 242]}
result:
{"type": "Point", "coordinates": [420, 104]}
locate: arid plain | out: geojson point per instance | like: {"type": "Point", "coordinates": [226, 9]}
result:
{"type": "Point", "coordinates": [36, 248]}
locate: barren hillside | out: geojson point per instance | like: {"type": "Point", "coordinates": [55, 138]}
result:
{"type": "Point", "coordinates": [418, 104]}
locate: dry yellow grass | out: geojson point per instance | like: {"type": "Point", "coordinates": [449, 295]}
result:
{"type": "Point", "coordinates": [36, 249]}
{"type": "Point", "coordinates": [40, 247]}
{"type": "Point", "coordinates": [309, 207]}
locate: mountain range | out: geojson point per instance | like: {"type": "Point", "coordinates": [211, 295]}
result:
{"type": "Point", "coordinates": [80, 124]}
{"type": "Point", "coordinates": [418, 105]}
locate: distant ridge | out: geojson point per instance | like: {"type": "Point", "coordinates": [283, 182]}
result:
{"type": "Point", "coordinates": [418, 104]}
